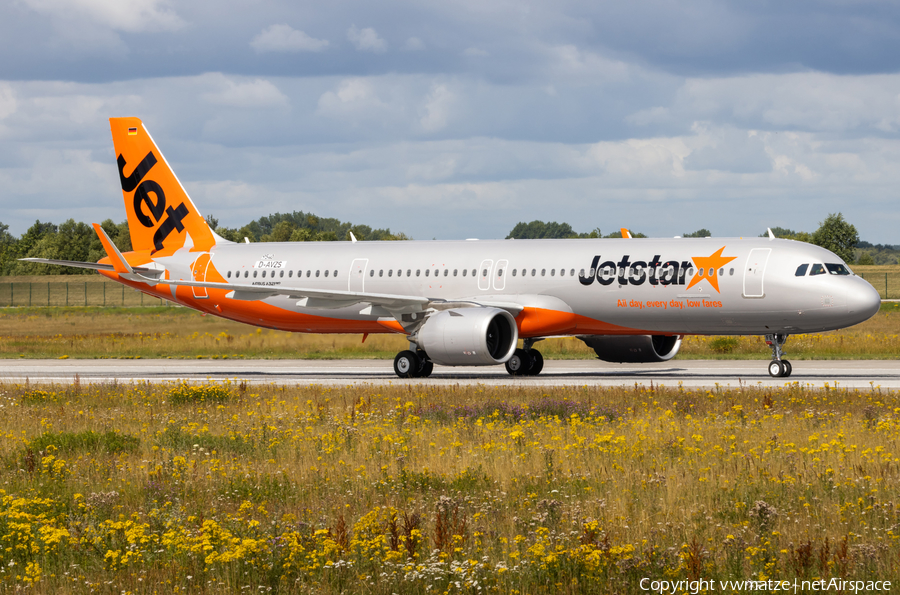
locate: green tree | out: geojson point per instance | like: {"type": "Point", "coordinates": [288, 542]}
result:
{"type": "Point", "coordinates": [700, 233]}
{"type": "Point", "coordinates": [866, 259]}
{"type": "Point", "coordinates": [539, 230]}
{"type": "Point", "coordinates": [837, 235]}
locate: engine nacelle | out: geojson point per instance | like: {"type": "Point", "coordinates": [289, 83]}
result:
{"type": "Point", "coordinates": [469, 337]}
{"type": "Point", "coordinates": [633, 349]}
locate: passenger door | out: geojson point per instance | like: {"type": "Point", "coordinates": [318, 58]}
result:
{"type": "Point", "coordinates": [357, 278]}
{"type": "Point", "coordinates": [500, 275]}
{"type": "Point", "coordinates": [754, 271]}
{"type": "Point", "coordinates": [198, 270]}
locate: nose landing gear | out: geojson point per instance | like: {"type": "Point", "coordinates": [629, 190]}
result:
{"type": "Point", "coordinates": [778, 368]}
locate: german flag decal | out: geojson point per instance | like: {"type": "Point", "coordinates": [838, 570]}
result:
{"type": "Point", "coordinates": [132, 132]}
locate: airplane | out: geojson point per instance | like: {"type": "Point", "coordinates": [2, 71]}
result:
{"type": "Point", "coordinates": [469, 302]}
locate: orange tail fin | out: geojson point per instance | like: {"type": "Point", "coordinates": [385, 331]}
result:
{"type": "Point", "coordinates": [161, 215]}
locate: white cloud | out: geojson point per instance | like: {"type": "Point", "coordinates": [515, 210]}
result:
{"type": "Point", "coordinates": [132, 16]}
{"type": "Point", "coordinates": [351, 95]}
{"type": "Point", "coordinates": [366, 40]}
{"type": "Point", "coordinates": [257, 93]}
{"type": "Point", "coordinates": [414, 44]}
{"type": "Point", "coordinates": [436, 109]}
{"type": "Point", "coordinates": [8, 102]}
{"type": "Point", "coordinates": [475, 53]}
{"type": "Point", "coordinates": [806, 100]}
{"type": "Point", "coordinates": [284, 38]}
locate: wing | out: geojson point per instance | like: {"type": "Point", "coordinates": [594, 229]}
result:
{"type": "Point", "coordinates": [329, 299]}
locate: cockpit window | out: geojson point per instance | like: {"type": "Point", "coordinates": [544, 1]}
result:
{"type": "Point", "coordinates": [817, 269]}
{"type": "Point", "coordinates": [837, 269]}
{"type": "Point", "coordinates": [801, 270]}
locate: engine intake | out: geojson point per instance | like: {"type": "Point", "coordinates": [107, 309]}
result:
{"type": "Point", "coordinates": [469, 337]}
{"type": "Point", "coordinates": [633, 349]}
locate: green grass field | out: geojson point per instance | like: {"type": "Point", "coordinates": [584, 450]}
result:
{"type": "Point", "coordinates": [378, 490]}
{"type": "Point", "coordinates": [162, 332]}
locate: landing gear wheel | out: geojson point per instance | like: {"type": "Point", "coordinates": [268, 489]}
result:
{"type": "Point", "coordinates": [787, 368]}
{"type": "Point", "coordinates": [407, 364]}
{"type": "Point", "coordinates": [519, 363]}
{"type": "Point", "coordinates": [537, 362]}
{"type": "Point", "coordinates": [776, 369]}
{"type": "Point", "coordinates": [426, 368]}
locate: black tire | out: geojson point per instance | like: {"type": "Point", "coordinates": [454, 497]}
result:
{"type": "Point", "coordinates": [426, 368]}
{"type": "Point", "coordinates": [776, 369]}
{"type": "Point", "coordinates": [519, 363]}
{"type": "Point", "coordinates": [537, 362]}
{"type": "Point", "coordinates": [406, 364]}
{"type": "Point", "coordinates": [787, 368]}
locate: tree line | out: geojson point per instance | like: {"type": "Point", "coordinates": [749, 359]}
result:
{"type": "Point", "coordinates": [74, 240]}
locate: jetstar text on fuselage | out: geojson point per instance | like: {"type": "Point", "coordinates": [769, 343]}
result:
{"type": "Point", "coordinates": [656, 271]}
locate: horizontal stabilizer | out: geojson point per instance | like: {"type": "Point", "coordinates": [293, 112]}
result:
{"type": "Point", "coordinates": [153, 273]}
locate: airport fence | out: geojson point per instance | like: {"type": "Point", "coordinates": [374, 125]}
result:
{"type": "Point", "coordinates": [73, 293]}
{"type": "Point", "coordinates": [109, 293]}
{"type": "Point", "coordinates": [887, 284]}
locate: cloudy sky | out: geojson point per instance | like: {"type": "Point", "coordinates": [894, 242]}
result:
{"type": "Point", "coordinates": [459, 119]}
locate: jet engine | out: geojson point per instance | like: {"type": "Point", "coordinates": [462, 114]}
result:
{"type": "Point", "coordinates": [633, 349]}
{"type": "Point", "coordinates": [469, 337]}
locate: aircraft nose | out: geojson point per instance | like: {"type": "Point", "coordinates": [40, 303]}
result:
{"type": "Point", "coordinates": [863, 300]}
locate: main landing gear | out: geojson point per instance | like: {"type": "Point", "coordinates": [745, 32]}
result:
{"type": "Point", "coordinates": [413, 364]}
{"type": "Point", "coordinates": [778, 368]}
{"type": "Point", "coordinates": [525, 362]}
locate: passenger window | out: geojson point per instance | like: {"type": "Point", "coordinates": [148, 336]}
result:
{"type": "Point", "coordinates": [552, 272]}
{"type": "Point", "coordinates": [254, 274]}
{"type": "Point", "coordinates": [484, 273]}
{"type": "Point", "coordinates": [592, 272]}
{"type": "Point", "coordinates": [446, 272]}
{"type": "Point", "coordinates": [514, 272]}
{"type": "Point", "coordinates": [291, 273]}
{"type": "Point", "coordinates": [499, 272]}
{"type": "Point", "coordinates": [572, 273]}
{"type": "Point", "coordinates": [817, 269]}
{"type": "Point", "coordinates": [801, 270]}
{"type": "Point", "coordinates": [473, 272]}
{"type": "Point", "coordinates": [534, 272]}
{"type": "Point", "coordinates": [308, 273]}
{"type": "Point", "coordinates": [264, 275]}
{"type": "Point", "coordinates": [581, 273]}
{"type": "Point", "coordinates": [562, 272]}
{"type": "Point", "coordinates": [418, 271]}
{"type": "Point", "coordinates": [426, 272]}
{"type": "Point", "coordinates": [837, 269]}
{"type": "Point", "coordinates": [246, 274]}
{"type": "Point", "coordinates": [721, 272]}
{"type": "Point", "coordinates": [691, 272]}
{"type": "Point", "coordinates": [464, 272]}
{"type": "Point", "coordinates": [390, 272]}
{"type": "Point", "coordinates": [229, 274]}
{"type": "Point", "coordinates": [731, 272]}
{"type": "Point", "coordinates": [335, 273]}
{"type": "Point", "coordinates": [455, 271]}
{"type": "Point", "coordinates": [381, 273]}
{"type": "Point", "coordinates": [326, 273]}
{"type": "Point", "coordinates": [372, 273]}
{"type": "Point", "coordinates": [408, 273]}
{"type": "Point", "coordinates": [317, 273]}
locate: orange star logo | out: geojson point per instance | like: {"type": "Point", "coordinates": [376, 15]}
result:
{"type": "Point", "coordinates": [707, 268]}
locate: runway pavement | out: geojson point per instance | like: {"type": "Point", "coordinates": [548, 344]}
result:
{"type": "Point", "coordinates": [689, 373]}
